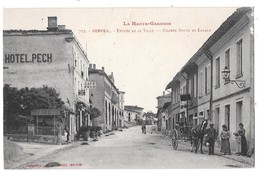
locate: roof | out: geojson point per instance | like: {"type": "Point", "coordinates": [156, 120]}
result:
{"type": "Point", "coordinates": [133, 107]}
{"type": "Point", "coordinates": [174, 81]}
{"type": "Point", "coordinates": [20, 32]}
{"type": "Point", "coordinates": [34, 31]}
{"type": "Point", "coordinates": [102, 72]}
{"type": "Point", "coordinates": [166, 95]}
{"type": "Point", "coordinates": [218, 34]}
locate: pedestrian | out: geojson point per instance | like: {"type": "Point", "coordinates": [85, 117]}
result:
{"type": "Point", "coordinates": [143, 128]}
{"type": "Point", "coordinates": [211, 138]}
{"type": "Point", "coordinates": [241, 140]}
{"type": "Point", "coordinates": [67, 134]}
{"type": "Point", "coordinates": [225, 144]}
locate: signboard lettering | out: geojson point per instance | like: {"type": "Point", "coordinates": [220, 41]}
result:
{"type": "Point", "coordinates": [45, 112]}
{"type": "Point", "coordinates": [91, 85]}
{"type": "Point", "coordinates": [24, 58]}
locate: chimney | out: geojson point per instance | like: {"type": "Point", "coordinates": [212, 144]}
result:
{"type": "Point", "coordinates": [163, 93]}
{"type": "Point", "coordinates": [90, 66]}
{"type": "Point", "coordinates": [94, 66]}
{"type": "Point", "coordinates": [52, 23]}
{"type": "Point", "coordinates": [103, 68]}
{"type": "Point", "coordinates": [62, 27]}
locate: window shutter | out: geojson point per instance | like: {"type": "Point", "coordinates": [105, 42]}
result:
{"type": "Point", "coordinates": [209, 78]}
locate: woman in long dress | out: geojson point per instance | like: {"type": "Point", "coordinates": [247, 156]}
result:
{"type": "Point", "coordinates": [225, 144]}
{"type": "Point", "coordinates": [241, 132]}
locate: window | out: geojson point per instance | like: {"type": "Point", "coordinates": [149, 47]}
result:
{"type": "Point", "coordinates": [184, 89]}
{"type": "Point", "coordinates": [106, 111]}
{"type": "Point", "coordinates": [206, 80]}
{"type": "Point", "coordinates": [216, 119]}
{"type": "Point", "coordinates": [195, 85]}
{"type": "Point", "coordinates": [239, 57]}
{"type": "Point", "coordinates": [78, 86]}
{"type": "Point", "coordinates": [80, 65]}
{"type": "Point", "coordinates": [75, 59]}
{"type": "Point", "coordinates": [218, 72]}
{"type": "Point", "coordinates": [195, 121]}
{"type": "Point", "coordinates": [83, 70]}
{"type": "Point", "coordinates": [200, 82]}
{"type": "Point", "coordinates": [178, 117]}
{"type": "Point", "coordinates": [238, 113]}
{"type": "Point", "coordinates": [227, 58]}
{"type": "Point", "coordinates": [227, 116]}
{"type": "Point", "coordinates": [190, 87]}
{"type": "Point", "coordinates": [207, 114]}
{"type": "Point", "coordinates": [201, 114]}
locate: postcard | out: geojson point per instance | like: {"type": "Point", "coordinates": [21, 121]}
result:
{"type": "Point", "coordinates": [129, 88]}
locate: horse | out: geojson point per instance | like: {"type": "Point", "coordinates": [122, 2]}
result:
{"type": "Point", "coordinates": [197, 134]}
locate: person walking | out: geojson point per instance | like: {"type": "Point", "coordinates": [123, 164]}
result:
{"type": "Point", "coordinates": [241, 140]}
{"type": "Point", "coordinates": [225, 144]}
{"type": "Point", "coordinates": [211, 138]}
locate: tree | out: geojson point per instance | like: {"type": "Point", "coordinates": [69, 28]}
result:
{"type": "Point", "coordinates": [21, 101]}
{"type": "Point", "coordinates": [149, 117]}
{"type": "Point", "coordinates": [94, 113]}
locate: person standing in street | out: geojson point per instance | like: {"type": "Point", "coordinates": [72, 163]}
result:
{"type": "Point", "coordinates": [211, 138]}
{"type": "Point", "coordinates": [67, 134]}
{"type": "Point", "coordinates": [241, 140]}
{"type": "Point", "coordinates": [225, 144]}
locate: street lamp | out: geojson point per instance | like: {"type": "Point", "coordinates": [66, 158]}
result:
{"type": "Point", "coordinates": [226, 77]}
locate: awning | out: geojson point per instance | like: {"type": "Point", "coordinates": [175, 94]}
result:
{"type": "Point", "coordinates": [175, 81]}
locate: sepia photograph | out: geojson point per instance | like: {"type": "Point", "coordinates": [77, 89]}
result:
{"type": "Point", "coordinates": [129, 88]}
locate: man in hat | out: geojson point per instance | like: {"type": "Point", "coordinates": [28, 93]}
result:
{"type": "Point", "coordinates": [211, 138]}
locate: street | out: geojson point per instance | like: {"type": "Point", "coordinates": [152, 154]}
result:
{"type": "Point", "coordinates": [130, 149]}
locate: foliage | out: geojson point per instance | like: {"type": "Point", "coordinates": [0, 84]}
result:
{"type": "Point", "coordinates": [94, 113]}
{"type": "Point", "coordinates": [96, 128]}
{"type": "Point", "coordinates": [20, 102]}
{"type": "Point", "coordinates": [150, 117]}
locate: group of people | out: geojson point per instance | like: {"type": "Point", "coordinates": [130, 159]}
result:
{"type": "Point", "coordinates": [241, 148]}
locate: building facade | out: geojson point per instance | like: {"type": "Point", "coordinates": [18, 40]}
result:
{"type": "Point", "coordinates": [105, 97]}
{"type": "Point", "coordinates": [161, 110]}
{"type": "Point", "coordinates": [121, 108]}
{"type": "Point", "coordinates": [221, 101]}
{"type": "Point", "coordinates": [52, 57]}
{"type": "Point", "coordinates": [133, 113]}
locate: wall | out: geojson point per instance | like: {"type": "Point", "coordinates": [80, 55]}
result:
{"type": "Point", "coordinates": [56, 73]}
{"type": "Point", "coordinates": [230, 94]}
{"type": "Point", "coordinates": [97, 96]}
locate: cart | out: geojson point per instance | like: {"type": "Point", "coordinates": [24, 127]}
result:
{"type": "Point", "coordinates": [181, 132]}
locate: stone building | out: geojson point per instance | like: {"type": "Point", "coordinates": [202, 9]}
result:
{"type": "Point", "coordinates": [105, 97]}
{"type": "Point", "coordinates": [52, 57]}
{"type": "Point", "coordinates": [133, 113]}
{"type": "Point", "coordinates": [220, 100]}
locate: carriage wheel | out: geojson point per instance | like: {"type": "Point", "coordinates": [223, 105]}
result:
{"type": "Point", "coordinates": [175, 139]}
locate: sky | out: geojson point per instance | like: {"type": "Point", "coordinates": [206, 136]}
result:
{"type": "Point", "coordinates": [142, 62]}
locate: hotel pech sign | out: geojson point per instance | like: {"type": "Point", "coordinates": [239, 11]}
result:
{"type": "Point", "coordinates": [28, 58]}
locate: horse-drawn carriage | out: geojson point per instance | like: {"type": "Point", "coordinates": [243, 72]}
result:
{"type": "Point", "coordinates": [188, 132]}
